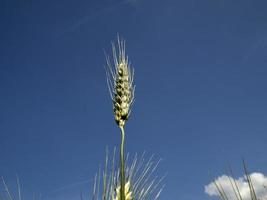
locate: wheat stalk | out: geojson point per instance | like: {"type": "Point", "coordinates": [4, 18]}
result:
{"type": "Point", "coordinates": [134, 181]}
{"type": "Point", "coordinates": [120, 83]}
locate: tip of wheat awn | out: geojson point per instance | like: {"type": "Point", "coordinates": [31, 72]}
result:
{"type": "Point", "coordinates": [120, 82]}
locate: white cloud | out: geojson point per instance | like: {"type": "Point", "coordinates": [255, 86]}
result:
{"type": "Point", "coordinates": [258, 180]}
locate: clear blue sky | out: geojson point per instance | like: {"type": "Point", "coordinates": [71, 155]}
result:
{"type": "Point", "coordinates": [201, 100]}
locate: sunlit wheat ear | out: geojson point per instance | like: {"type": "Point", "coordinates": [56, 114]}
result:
{"type": "Point", "coordinates": [120, 82]}
{"type": "Point", "coordinates": [141, 182]}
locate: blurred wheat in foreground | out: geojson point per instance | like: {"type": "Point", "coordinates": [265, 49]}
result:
{"type": "Point", "coordinates": [140, 180]}
{"type": "Point", "coordinates": [249, 187]}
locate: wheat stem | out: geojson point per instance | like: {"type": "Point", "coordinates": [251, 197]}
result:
{"type": "Point", "coordinates": [122, 167]}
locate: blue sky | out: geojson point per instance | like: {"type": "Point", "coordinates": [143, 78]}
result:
{"type": "Point", "coordinates": [200, 75]}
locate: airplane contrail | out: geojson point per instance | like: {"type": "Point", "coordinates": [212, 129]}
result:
{"type": "Point", "coordinates": [85, 19]}
{"type": "Point", "coordinates": [65, 187]}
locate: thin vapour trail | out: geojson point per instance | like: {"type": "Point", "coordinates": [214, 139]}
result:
{"type": "Point", "coordinates": [85, 19]}
{"type": "Point", "coordinates": [65, 187]}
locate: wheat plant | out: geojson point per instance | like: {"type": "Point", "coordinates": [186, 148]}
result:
{"type": "Point", "coordinates": [120, 83]}
{"type": "Point", "coordinates": [235, 188]}
{"type": "Point", "coordinates": [132, 179]}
